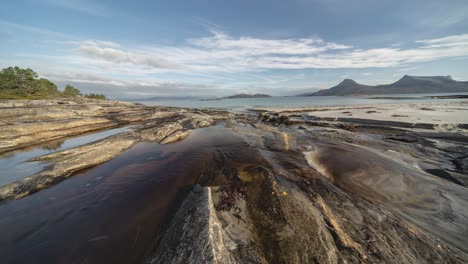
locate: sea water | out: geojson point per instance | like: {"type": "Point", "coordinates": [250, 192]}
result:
{"type": "Point", "coordinates": [241, 104]}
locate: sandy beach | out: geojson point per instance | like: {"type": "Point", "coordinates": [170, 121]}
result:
{"type": "Point", "coordinates": [441, 114]}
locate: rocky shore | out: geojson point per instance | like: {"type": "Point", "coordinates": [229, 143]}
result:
{"type": "Point", "coordinates": [27, 123]}
{"type": "Point", "coordinates": [353, 184]}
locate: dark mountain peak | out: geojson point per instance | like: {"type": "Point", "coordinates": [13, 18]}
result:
{"type": "Point", "coordinates": [406, 85]}
{"type": "Point", "coordinates": [412, 80]}
{"type": "Point", "coordinates": [347, 86]}
{"type": "Point", "coordinates": [407, 77]}
{"type": "Point", "coordinates": [448, 77]}
{"type": "Point", "coordinates": [347, 82]}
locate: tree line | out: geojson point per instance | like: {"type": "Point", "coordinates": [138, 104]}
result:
{"type": "Point", "coordinates": [18, 83]}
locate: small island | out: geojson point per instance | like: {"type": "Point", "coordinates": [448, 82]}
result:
{"type": "Point", "coordinates": [257, 95]}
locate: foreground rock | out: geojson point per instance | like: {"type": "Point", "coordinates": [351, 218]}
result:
{"type": "Point", "coordinates": [290, 186]}
{"type": "Point", "coordinates": [293, 215]}
{"type": "Point", "coordinates": [26, 123]}
{"type": "Point", "coordinates": [343, 191]}
{"type": "Point", "coordinates": [195, 235]}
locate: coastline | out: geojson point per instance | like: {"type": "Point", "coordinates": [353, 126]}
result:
{"type": "Point", "coordinates": [26, 123]}
{"type": "Point", "coordinates": [329, 184]}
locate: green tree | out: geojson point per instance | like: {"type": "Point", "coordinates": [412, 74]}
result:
{"type": "Point", "coordinates": [18, 82]}
{"type": "Point", "coordinates": [96, 96]}
{"type": "Point", "coordinates": [46, 88]}
{"type": "Point", "coordinates": [70, 91]}
{"type": "Point", "coordinates": [8, 79]}
{"type": "Point", "coordinates": [26, 78]}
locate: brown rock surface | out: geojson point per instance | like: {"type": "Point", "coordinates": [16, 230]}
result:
{"type": "Point", "coordinates": [347, 193]}
{"type": "Point", "coordinates": [279, 188]}
{"type": "Point", "coordinates": [26, 123]}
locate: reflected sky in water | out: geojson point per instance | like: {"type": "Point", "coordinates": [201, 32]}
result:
{"type": "Point", "coordinates": [15, 165]}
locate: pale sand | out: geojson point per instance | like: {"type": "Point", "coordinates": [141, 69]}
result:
{"type": "Point", "coordinates": [446, 113]}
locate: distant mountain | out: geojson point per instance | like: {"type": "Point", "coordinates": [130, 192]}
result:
{"type": "Point", "coordinates": [346, 87]}
{"type": "Point", "coordinates": [406, 85]}
{"type": "Point", "coordinates": [425, 84]}
{"type": "Point", "coordinates": [248, 96]}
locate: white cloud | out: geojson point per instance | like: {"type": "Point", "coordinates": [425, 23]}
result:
{"type": "Point", "coordinates": [110, 52]}
{"type": "Point", "coordinates": [450, 41]}
{"type": "Point", "coordinates": [223, 53]}
{"type": "Point", "coordinates": [115, 88]}
{"type": "Point", "coordinates": [82, 77]}
{"type": "Point", "coordinates": [220, 42]}
{"type": "Point", "coordinates": [218, 60]}
{"type": "Point", "coordinates": [215, 61]}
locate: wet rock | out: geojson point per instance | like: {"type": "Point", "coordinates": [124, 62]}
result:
{"type": "Point", "coordinates": [298, 216]}
{"type": "Point", "coordinates": [407, 137]}
{"type": "Point", "coordinates": [344, 190]}
{"type": "Point", "coordinates": [27, 123]}
{"type": "Point", "coordinates": [273, 118]}
{"type": "Point", "coordinates": [66, 162]}
{"type": "Point", "coordinates": [444, 175]}
{"type": "Point", "coordinates": [195, 235]}
{"type": "Point", "coordinates": [176, 136]}
{"type": "Point", "coordinates": [31, 122]}
{"type": "Point", "coordinates": [461, 164]}
{"type": "Point", "coordinates": [161, 132]}
{"type": "Point", "coordinates": [404, 138]}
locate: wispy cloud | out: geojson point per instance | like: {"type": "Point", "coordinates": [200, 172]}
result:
{"type": "Point", "coordinates": [449, 41]}
{"type": "Point", "coordinates": [221, 52]}
{"type": "Point", "coordinates": [220, 41]}
{"type": "Point", "coordinates": [13, 28]}
{"type": "Point", "coordinates": [219, 61]}
{"type": "Point", "coordinates": [450, 16]}
{"type": "Point", "coordinates": [84, 6]}
{"type": "Point", "coordinates": [82, 77]}
{"type": "Point", "coordinates": [90, 82]}
{"type": "Point", "coordinates": [407, 69]}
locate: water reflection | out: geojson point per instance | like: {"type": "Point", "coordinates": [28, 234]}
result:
{"type": "Point", "coordinates": [111, 213]}
{"type": "Point", "coordinates": [15, 165]}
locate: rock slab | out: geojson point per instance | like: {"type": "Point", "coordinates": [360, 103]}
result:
{"type": "Point", "coordinates": [195, 234]}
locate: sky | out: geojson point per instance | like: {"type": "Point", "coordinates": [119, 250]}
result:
{"type": "Point", "coordinates": [141, 49]}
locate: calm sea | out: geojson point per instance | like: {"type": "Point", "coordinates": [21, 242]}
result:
{"type": "Point", "coordinates": [248, 103]}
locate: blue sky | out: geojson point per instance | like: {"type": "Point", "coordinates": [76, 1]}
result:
{"type": "Point", "coordinates": [216, 48]}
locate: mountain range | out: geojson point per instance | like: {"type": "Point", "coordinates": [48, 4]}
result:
{"type": "Point", "coordinates": [406, 85]}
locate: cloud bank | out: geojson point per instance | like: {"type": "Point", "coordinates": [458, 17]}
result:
{"type": "Point", "coordinates": [222, 52]}
{"type": "Point", "coordinates": [110, 52]}
{"type": "Point", "coordinates": [216, 64]}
